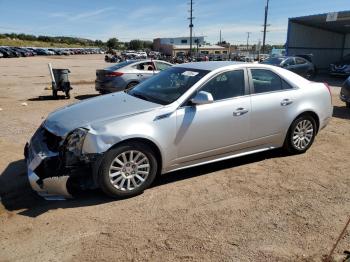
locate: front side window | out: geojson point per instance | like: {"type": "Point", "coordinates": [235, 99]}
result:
{"type": "Point", "coordinates": [146, 66]}
{"type": "Point", "coordinates": [226, 85]}
{"type": "Point", "coordinates": [289, 62]}
{"type": "Point", "coordinates": [265, 81]}
{"type": "Point", "coordinates": [167, 86]}
{"type": "Point", "coordinates": [162, 66]}
{"type": "Point", "coordinates": [300, 61]}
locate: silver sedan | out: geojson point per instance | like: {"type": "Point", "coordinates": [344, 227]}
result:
{"type": "Point", "coordinates": [127, 74]}
{"type": "Point", "coordinates": [188, 115]}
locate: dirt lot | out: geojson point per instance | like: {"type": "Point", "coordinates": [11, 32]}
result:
{"type": "Point", "coordinates": [266, 207]}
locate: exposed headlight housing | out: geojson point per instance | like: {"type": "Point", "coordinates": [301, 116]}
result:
{"type": "Point", "coordinates": [75, 140]}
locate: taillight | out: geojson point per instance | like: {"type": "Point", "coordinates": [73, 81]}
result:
{"type": "Point", "coordinates": [114, 74]}
{"type": "Point", "coordinates": [329, 90]}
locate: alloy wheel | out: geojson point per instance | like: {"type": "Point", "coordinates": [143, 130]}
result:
{"type": "Point", "coordinates": [129, 170]}
{"type": "Point", "coordinates": [303, 134]}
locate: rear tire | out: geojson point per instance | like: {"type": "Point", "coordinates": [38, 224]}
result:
{"type": "Point", "coordinates": [127, 170]}
{"type": "Point", "coordinates": [301, 135]}
{"type": "Point", "coordinates": [131, 85]}
{"type": "Point", "coordinates": [310, 74]}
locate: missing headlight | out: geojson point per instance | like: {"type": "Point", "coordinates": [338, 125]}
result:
{"type": "Point", "coordinates": [75, 140]}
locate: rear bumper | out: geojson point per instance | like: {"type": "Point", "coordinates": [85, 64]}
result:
{"type": "Point", "coordinates": [339, 73]}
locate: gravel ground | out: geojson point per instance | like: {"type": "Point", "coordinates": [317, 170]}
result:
{"type": "Point", "coordinates": [264, 207]}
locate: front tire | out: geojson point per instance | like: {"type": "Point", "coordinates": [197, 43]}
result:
{"type": "Point", "coordinates": [348, 104]}
{"type": "Point", "coordinates": [127, 170]}
{"type": "Point", "coordinates": [301, 135]}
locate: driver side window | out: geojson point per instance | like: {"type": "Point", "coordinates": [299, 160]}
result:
{"type": "Point", "coordinates": [226, 85]}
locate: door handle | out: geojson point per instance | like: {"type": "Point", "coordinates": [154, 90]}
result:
{"type": "Point", "coordinates": [139, 75]}
{"type": "Point", "coordinates": [240, 111]}
{"type": "Point", "coordinates": [286, 102]}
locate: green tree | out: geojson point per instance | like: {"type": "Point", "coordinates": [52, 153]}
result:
{"type": "Point", "coordinates": [112, 43]}
{"type": "Point", "coordinates": [136, 44]}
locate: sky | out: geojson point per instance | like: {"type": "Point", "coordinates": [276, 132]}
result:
{"type": "Point", "coordinates": [148, 19]}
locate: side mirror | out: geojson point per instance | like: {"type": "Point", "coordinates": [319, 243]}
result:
{"type": "Point", "coordinates": [202, 98]}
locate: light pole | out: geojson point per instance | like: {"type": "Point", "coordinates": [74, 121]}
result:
{"type": "Point", "coordinates": [248, 35]}
{"type": "Point", "coordinates": [265, 25]}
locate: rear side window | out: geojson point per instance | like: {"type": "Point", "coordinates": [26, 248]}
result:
{"type": "Point", "coordinates": [267, 81]}
{"type": "Point", "coordinates": [226, 85]}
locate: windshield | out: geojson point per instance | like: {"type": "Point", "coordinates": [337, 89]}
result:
{"type": "Point", "coordinates": [119, 65]}
{"type": "Point", "coordinates": [168, 85]}
{"type": "Point", "coordinates": [273, 61]}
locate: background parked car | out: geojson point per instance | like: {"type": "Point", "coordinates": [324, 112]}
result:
{"type": "Point", "coordinates": [345, 92]}
{"type": "Point", "coordinates": [127, 74]}
{"type": "Point", "coordinates": [342, 67]}
{"type": "Point", "coordinates": [296, 64]}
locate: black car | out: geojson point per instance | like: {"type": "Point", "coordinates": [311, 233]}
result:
{"type": "Point", "coordinates": [296, 64]}
{"type": "Point", "coordinates": [341, 68]}
{"type": "Point", "coordinates": [345, 92]}
{"type": "Point", "coordinates": [8, 52]}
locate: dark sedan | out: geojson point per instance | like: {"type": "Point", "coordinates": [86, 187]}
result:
{"type": "Point", "coordinates": [345, 92]}
{"type": "Point", "coordinates": [342, 67]}
{"type": "Point", "coordinates": [298, 65]}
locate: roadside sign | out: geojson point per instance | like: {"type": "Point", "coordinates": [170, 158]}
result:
{"type": "Point", "coordinates": [331, 17]}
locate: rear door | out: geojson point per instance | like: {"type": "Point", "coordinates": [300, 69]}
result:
{"type": "Point", "coordinates": [273, 101]}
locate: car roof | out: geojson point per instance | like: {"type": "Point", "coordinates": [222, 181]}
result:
{"type": "Point", "coordinates": [209, 65]}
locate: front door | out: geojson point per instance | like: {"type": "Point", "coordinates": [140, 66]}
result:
{"type": "Point", "coordinates": [219, 127]}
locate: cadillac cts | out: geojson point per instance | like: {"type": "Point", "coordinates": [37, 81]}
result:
{"type": "Point", "coordinates": [188, 115]}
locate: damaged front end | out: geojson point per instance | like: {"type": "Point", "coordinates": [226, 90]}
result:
{"type": "Point", "coordinates": [56, 166]}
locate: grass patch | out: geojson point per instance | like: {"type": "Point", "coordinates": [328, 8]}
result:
{"type": "Point", "coordinates": [25, 43]}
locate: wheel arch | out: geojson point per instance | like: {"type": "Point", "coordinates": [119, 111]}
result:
{"type": "Point", "coordinates": [313, 115]}
{"type": "Point", "coordinates": [147, 142]}
{"type": "Point", "coordinates": [150, 143]}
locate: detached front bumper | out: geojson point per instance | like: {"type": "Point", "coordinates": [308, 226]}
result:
{"type": "Point", "coordinates": [47, 183]}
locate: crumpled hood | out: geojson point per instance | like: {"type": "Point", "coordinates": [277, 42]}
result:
{"type": "Point", "coordinates": [101, 108]}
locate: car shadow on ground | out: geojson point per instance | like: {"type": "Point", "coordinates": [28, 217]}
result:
{"type": "Point", "coordinates": [341, 112]}
{"type": "Point", "coordinates": [17, 195]}
{"type": "Point", "coordinates": [45, 98]}
{"type": "Point", "coordinates": [83, 97]}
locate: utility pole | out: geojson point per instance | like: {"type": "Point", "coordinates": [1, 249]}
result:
{"type": "Point", "coordinates": [191, 25]}
{"type": "Point", "coordinates": [248, 35]}
{"type": "Point", "coordinates": [265, 25]}
{"type": "Point", "coordinates": [220, 40]}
